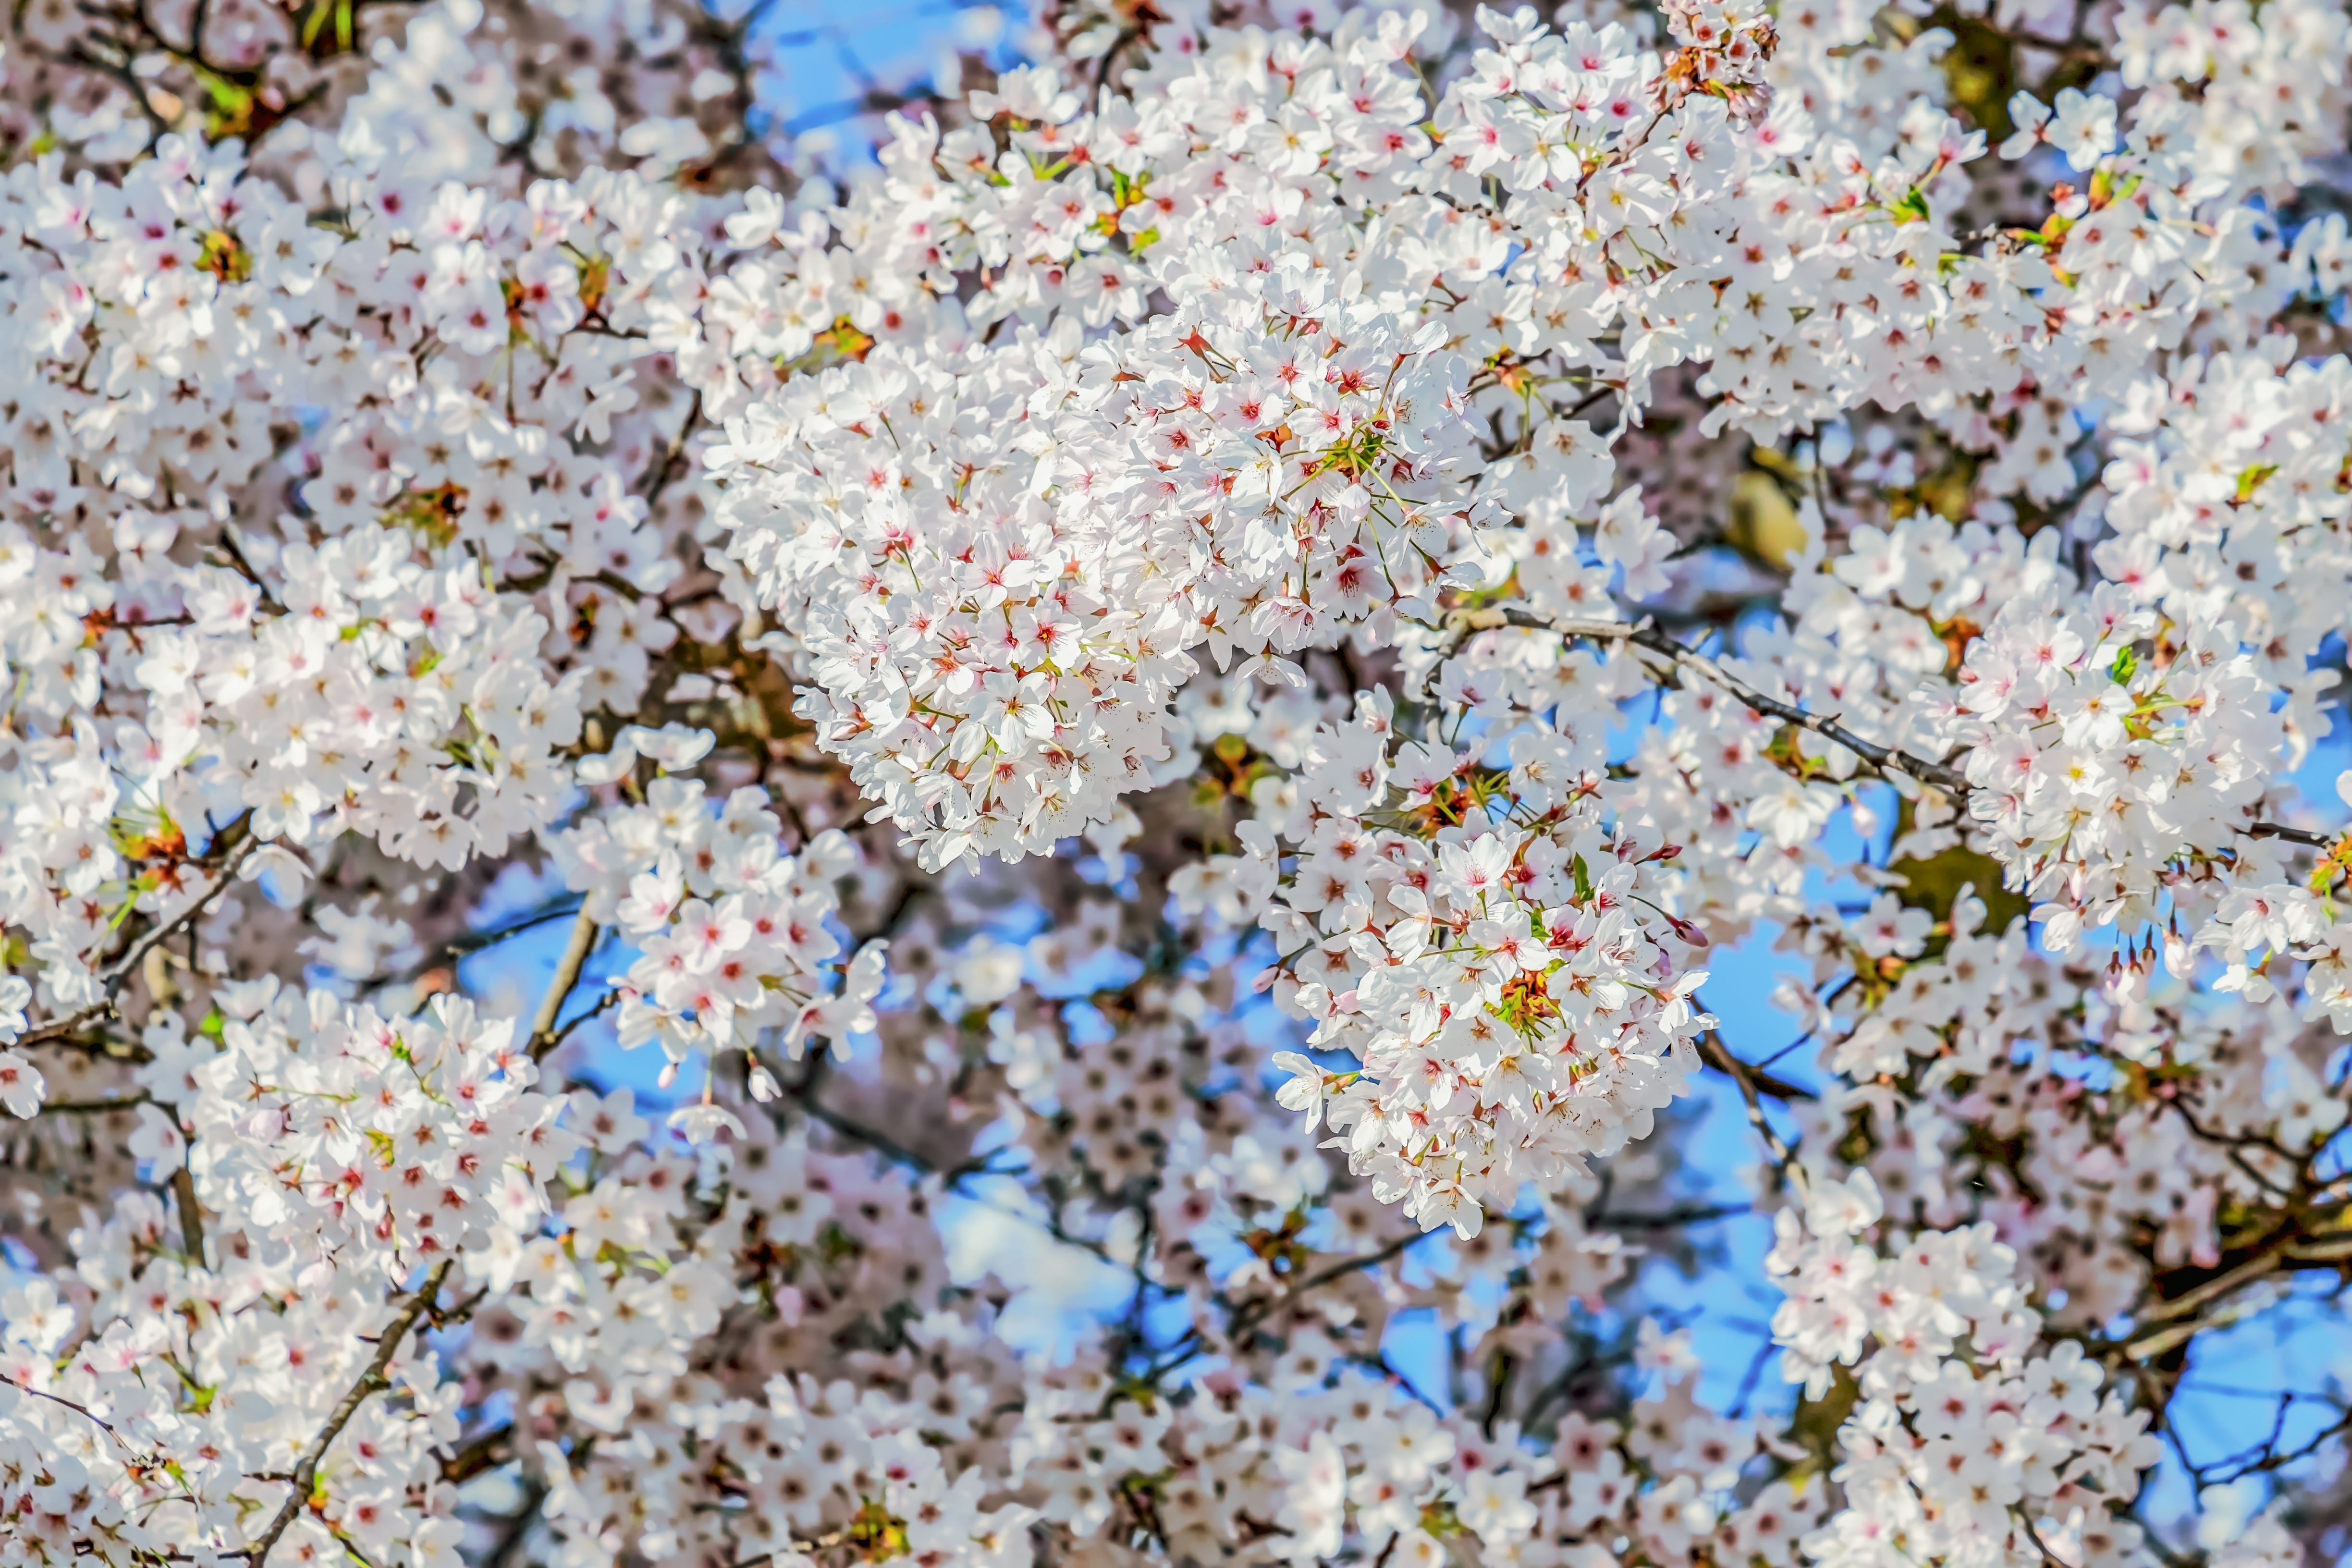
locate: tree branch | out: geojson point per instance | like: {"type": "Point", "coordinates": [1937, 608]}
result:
{"type": "Point", "coordinates": [543, 1035]}
{"type": "Point", "coordinates": [483, 1452]}
{"type": "Point", "coordinates": [659, 479]}
{"type": "Point", "coordinates": [191, 1217]}
{"type": "Point", "coordinates": [306, 1469]}
{"type": "Point", "coordinates": [95, 1107]}
{"type": "Point", "coordinates": [1711, 1046]}
{"type": "Point", "coordinates": [121, 969]}
{"type": "Point", "coordinates": [2291, 835]}
{"type": "Point", "coordinates": [1671, 1219]}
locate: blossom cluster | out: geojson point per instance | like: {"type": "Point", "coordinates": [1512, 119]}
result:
{"type": "Point", "coordinates": [736, 940]}
{"type": "Point", "coordinates": [352, 1149]}
{"type": "Point", "coordinates": [1955, 1453]}
{"type": "Point", "coordinates": [1483, 941]}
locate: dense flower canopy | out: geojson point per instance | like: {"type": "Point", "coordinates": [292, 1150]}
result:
{"type": "Point", "coordinates": [1200, 659]}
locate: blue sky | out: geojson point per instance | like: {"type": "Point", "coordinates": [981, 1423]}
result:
{"type": "Point", "coordinates": [829, 53]}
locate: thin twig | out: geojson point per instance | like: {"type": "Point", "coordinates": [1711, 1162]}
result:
{"type": "Point", "coordinates": [604, 1005]}
{"type": "Point", "coordinates": [1255, 1312]}
{"type": "Point", "coordinates": [71, 1404]}
{"type": "Point", "coordinates": [1887, 759]}
{"type": "Point", "coordinates": [882, 1143]}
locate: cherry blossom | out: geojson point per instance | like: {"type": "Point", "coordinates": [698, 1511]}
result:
{"type": "Point", "coordinates": [712, 851]}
